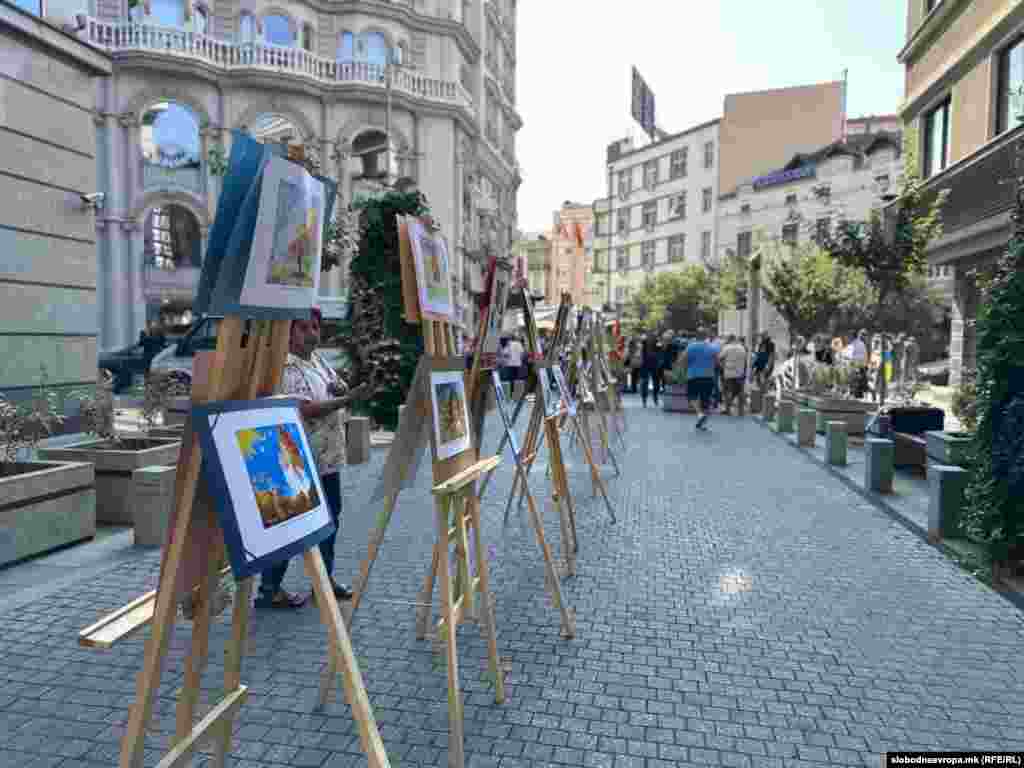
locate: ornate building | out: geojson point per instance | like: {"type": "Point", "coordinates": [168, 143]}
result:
{"type": "Point", "coordinates": [436, 77]}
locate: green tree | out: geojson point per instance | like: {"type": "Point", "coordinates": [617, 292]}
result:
{"type": "Point", "coordinates": [890, 249]}
{"type": "Point", "coordinates": [683, 299]}
{"type": "Point", "coordinates": [995, 512]}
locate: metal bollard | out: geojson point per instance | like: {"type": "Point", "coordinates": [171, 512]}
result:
{"type": "Point", "coordinates": [878, 466]}
{"type": "Point", "coordinates": [836, 442]}
{"type": "Point", "coordinates": [784, 421]}
{"type": "Point", "coordinates": [806, 424]}
{"type": "Point", "coordinates": [945, 500]}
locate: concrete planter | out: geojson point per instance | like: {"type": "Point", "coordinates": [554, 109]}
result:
{"type": "Point", "coordinates": [174, 432]}
{"type": "Point", "coordinates": [114, 468]}
{"type": "Point", "coordinates": [948, 447]}
{"type": "Point", "coordinates": [45, 505]}
{"type": "Point", "coordinates": [853, 412]}
{"type": "Point", "coordinates": [673, 399]}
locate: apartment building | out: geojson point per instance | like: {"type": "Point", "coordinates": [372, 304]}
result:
{"type": "Point", "coordinates": [845, 178]}
{"type": "Point", "coordinates": [964, 96]}
{"type": "Point", "coordinates": [49, 302]}
{"type": "Point", "coordinates": [439, 77]}
{"type": "Point", "coordinates": [571, 259]}
{"type": "Point", "coordinates": [534, 249]}
{"type": "Point", "coordinates": [660, 211]}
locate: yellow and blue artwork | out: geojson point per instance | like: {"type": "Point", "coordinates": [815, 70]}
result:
{"type": "Point", "coordinates": [281, 473]}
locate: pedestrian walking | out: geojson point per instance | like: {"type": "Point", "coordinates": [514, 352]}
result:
{"type": "Point", "coordinates": [636, 362]}
{"type": "Point", "coordinates": [506, 371]}
{"type": "Point", "coordinates": [701, 364]}
{"type": "Point", "coordinates": [764, 361]}
{"type": "Point", "coordinates": [716, 389]}
{"type": "Point", "coordinates": [650, 371]}
{"type": "Point", "coordinates": [324, 398]}
{"type": "Point", "coordinates": [734, 372]}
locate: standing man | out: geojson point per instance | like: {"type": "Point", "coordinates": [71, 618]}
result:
{"type": "Point", "coordinates": [857, 353]}
{"type": "Point", "coordinates": [734, 372]}
{"type": "Point", "coordinates": [764, 361]}
{"type": "Point", "coordinates": [701, 364]}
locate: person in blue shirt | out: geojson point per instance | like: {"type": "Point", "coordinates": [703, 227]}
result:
{"type": "Point", "coordinates": [701, 368]}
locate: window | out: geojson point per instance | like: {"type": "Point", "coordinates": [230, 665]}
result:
{"type": "Point", "coordinates": [623, 221]}
{"type": "Point", "coordinates": [170, 137]}
{"type": "Point", "coordinates": [678, 163]}
{"type": "Point", "coordinates": [743, 244]}
{"type": "Point", "coordinates": [678, 205]}
{"type": "Point", "coordinates": [277, 30]}
{"type": "Point", "coordinates": [650, 215]}
{"type": "Point", "coordinates": [651, 174]}
{"type": "Point", "coordinates": [706, 200]}
{"type": "Point", "coordinates": [676, 248]}
{"type": "Point", "coordinates": [745, 209]}
{"type": "Point", "coordinates": [621, 259]}
{"type": "Point", "coordinates": [625, 183]}
{"type": "Point", "coordinates": [822, 227]}
{"type": "Point", "coordinates": [620, 294]}
{"type": "Point", "coordinates": [307, 37]}
{"type": "Point", "coordinates": [705, 245]}
{"type": "Point", "coordinates": [709, 154]}
{"type": "Point", "coordinates": [369, 47]}
{"type": "Point", "coordinates": [936, 139]}
{"type": "Point", "coordinates": [647, 253]}
{"type": "Point", "coordinates": [1011, 87]}
{"type": "Point", "coordinates": [246, 28]}
{"type": "Point", "coordinates": [791, 198]}
{"type": "Point", "coordinates": [823, 192]}
{"type": "Point", "coordinates": [789, 234]}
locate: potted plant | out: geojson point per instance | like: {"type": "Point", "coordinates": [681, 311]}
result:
{"type": "Point", "coordinates": [830, 395]}
{"type": "Point", "coordinates": [160, 392]}
{"type": "Point", "coordinates": [114, 456]}
{"type": "Point", "coordinates": [674, 397]}
{"type": "Point", "coordinates": [953, 447]}
{"type": "Point", "coordinates": [43, 504]}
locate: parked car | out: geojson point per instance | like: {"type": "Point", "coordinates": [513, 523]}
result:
{"type": "Point", "coordinates": [125, 364]}
{"type": "Point", "coordinates": [177, 360]}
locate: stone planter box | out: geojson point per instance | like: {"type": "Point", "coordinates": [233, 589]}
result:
{"type": "Point", "coordinates": [114, 468]}
{"type": "Point", "coordinates": [674, 400]}
{"type": "Point", "coordinates": [853, 412]}
{"type": "Point", "coordinates": [948, 447]}
{"type": "Point", "coordinates": [45, 505]}
{"type": "Point", "coordinates": [174, 432]}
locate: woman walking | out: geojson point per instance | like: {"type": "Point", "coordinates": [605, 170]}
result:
{"type": "Point", "coordinates": [324, 398]}
{"type": "Point", "coordinates": [650, 372]}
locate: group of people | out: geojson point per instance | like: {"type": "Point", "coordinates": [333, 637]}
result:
{"type": "Point", "coordinates": [648, 359]}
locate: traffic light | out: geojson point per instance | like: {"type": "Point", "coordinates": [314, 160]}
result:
{"type": "Point", "coordinates": [741, 297]}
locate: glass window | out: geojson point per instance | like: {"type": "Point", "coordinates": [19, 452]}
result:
{"type": "Point", "coordinates": [346, 47]}
{"type": "Point", "coordinates": [650, 214]}
{"type": "Point", "coordinates": [709, 154]}
{"type": "Point", "coordinates": [936, 139]}
{"type": "Point", "coordinates": [789, 234]}
{"type": "Point", "coordinates": [373, 47]}
{"type": "Point", "coordinates": [705, 245]}
{"type": "Point", "coordinates": [678, 163]}
{"type": "Point", "coordinates": [706, 203]}
{"type": "Point", "coordinates": [1011, 87]}
{"type": "Point", "coordinates": [277, 30]}
{"type": "Point", "coordinates": [743, 240]}
{"type": "Point", "coordinates": [307, 36]}
{"type": "Point", "coordinates": [651, 174]}
{"type": "Point", "coordinates": [679, 206]}
{"type": "Point", "coordinates": [647, 253]}
{"type": "Point", "coordinates": [167, 13]}
{"type": "Point", "coordinates": [170, 136]}
{"type": "Point", "coordinates": [676, 247]}
{"type": "Point", "coordinates": [621, 259]}
{"type": "Point", "coordinates": [791, 199]}
{"type": "Point", "coordinates": [246, 28]}
{"type": "Point", "coordinates": [623, 221]}
{"type": "Point", "coordinates": [31, 6]}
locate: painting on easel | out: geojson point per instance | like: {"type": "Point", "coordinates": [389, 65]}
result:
{"type": "Point", "coordinates": [258, 465]}
{"type": "Point", "coordinates": [498, 304]}
{"type": "Point", "coordinates": [433, 270]}
{"type": "Point", "coordinates": [552, 395]}
{"type": "Point", "coordinates": [505, 409]}
{"type": "Point", "coordinates": [451, 413]}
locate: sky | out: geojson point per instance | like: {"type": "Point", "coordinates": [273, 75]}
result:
{"type": "Point", "coordinates": [574, 63]}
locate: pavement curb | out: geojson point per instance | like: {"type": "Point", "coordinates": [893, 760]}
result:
{"type": "Point", "coordinates": [878, 500]}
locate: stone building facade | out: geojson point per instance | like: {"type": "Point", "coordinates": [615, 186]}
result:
{"type": "Point", "coordinates": [437, 74]}
{"type": "Point", "coordinates": [660, 213]}
{"type": "Point", "coordinates": [48, 255]}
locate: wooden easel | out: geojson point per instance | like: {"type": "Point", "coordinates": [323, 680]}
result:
{"type": "Point", "coordinates": [457, 517]}
{"type": "Point", "coordinates": [614, 404]}
{"type": "Point", "coordinates": [599, 387]}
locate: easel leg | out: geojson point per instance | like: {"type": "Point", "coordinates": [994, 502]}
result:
{"type": "Point", "coordinates": [355, 691]}
{"type": "Point", "coordinates": [551, 572]}
{"type": "Point", "coordinates": [597, 478]}
{"type": "Point", "coordinates": [427, 595]}
{"type": "Point", "coordinates": [233, 665]}
{"type": "Point", "coordinates": [561, 498]}
{"type": "Point", "coordinates": [365, 568]}
{"type": "Point", "coordinates": [456, 754]}
{"type": "Point", "coordinates": [486, 600]}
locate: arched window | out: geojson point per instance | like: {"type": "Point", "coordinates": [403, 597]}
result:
{"type": "Point", "coordinates": [369, 47]}
{"type": "Point", "coordinates": [246, 28]}
{"type": "Point", "coordinates": [172, 239]}
{"type": "Point", "coordinates": [269, 128]}
{"type": "Point", "coordinates": [277, 30]}
{"type": "Point", "coordinates": [170, 136]}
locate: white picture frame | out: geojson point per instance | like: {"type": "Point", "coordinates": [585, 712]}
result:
{"type": "Point", "coordinates": [433, 279]}
{"type": "Point", "coordinates": [450, 413]}
{"type": "Point", "coordinates": [496, 310]}
{"type": "Point", "coordinates": [290, 224]}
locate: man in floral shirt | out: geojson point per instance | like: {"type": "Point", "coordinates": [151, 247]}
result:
{"type": "Point", "coordinates": [324, 399]}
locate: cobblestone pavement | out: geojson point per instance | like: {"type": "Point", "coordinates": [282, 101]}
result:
{"type": "Point", "coordinates": [746, 610]}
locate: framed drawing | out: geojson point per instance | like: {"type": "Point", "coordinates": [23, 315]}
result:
{"type": "Point", "coordinates": [505, 409]}
{"type": "Point", "coordinates": [552, 396]}
{"type": "Point", "coordinates": [570, 401]}
{"type": "Point", "coordinates": [433, 270]}
{"type": "Point", "coordinates": [450, 412]}
{"type": "Point", "coordinates": [499, 302]}
{"type": "Point", "coordinates": [266, 489]}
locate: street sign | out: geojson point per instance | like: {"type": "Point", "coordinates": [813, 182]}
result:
{"type": "Point", "coordinates": [643, 104]}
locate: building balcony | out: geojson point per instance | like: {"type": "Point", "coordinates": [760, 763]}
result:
{"type": "Point", "coordinates": [163, 177]}
{"type": "Point", "coordinates": [976, 215]}
{"type": "Point", "coordinates": [231, 57]}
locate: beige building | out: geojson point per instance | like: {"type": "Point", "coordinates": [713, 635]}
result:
{"type": "Point", "coordinates": [965, 97]}
{"type": "Point", "coordinates": [48, 258]}
{"type": "Point", "coordinates": [438, 77]}
{"type": "Point", "coordinates": [571, 260]}
{"type": "Point", "coordinates": [534, 249]}
{"type": "Point", "coordinates": [660, 213]}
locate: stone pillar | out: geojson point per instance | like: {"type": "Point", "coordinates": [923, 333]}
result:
{"type": "Point", "coordinates": [836, 441]}
{"type": "Point", "coordinates": [878, 465]}
{"type": "Point", "coordinates": [206, 180]}
{"type": "Point", "coordinates": [806, 427]}
{"type": "Point", "coordinates": [136, 273]}
{"type": "Point", "coordinates": [153, 489]}
{"type": "Point", "coordinates": [132, 160]}
{"type": "Point", "coordinates": [119, 299]}
{"type": "Point", "coordinates": [957, 327]}
{"type": "Point", "coordinates": [945, 499]}
{"type": "Point", "coordinates": [784, 421]}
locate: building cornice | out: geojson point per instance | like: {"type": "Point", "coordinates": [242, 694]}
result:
{"type": "Point", "coordinates": [661, 143]}
{"type": "Point", "coordinates": [929, 28]}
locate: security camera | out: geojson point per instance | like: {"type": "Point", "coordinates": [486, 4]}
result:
{"type": "Point", "coordinates": [94, 200]}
